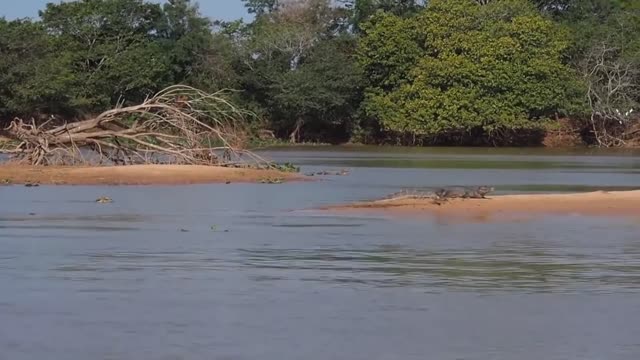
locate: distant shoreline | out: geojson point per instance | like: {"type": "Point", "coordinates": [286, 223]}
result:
{"type": "Point", "coordinates": [603, 203]}
{"type": "Point", "coordinates": [137, 175]}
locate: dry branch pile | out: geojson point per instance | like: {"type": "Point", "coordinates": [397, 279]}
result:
{"type": "Point", "coordinates": [179, 125]}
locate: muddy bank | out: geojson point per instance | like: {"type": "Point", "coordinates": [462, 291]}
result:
{"type": "Point", "coordinates": [137, 175]}
{"type": "Point", "coordinates": [614, 203]}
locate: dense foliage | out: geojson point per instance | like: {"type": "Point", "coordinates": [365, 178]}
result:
{"type": "Point", "coordinates": [462, 70]}
{"type": "Point", "coordinates": [403, 71]}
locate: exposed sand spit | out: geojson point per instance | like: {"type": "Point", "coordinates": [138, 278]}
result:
{"type": "Point", "coordinates": [136, 175]}
{"type": "Point", "coordinates": [622, 203]}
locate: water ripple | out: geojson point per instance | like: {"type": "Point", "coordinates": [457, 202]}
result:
{"type": "Point", "coordinates": [468, 269]}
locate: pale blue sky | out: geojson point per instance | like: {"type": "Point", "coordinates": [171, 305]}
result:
{"type": "Point", "coordinates": [215, 9]}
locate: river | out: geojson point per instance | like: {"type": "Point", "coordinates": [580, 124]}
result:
{"type": "Point", "coordinates": [251, 271]}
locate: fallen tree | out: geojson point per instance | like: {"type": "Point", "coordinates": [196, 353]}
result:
{"type": "Point", "coordinates": [178, 125]}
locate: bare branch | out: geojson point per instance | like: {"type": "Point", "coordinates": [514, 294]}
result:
{"type": "Point", "coordinates": [612, 93]}
{"type": "Point", "coordinates": [180, 124]}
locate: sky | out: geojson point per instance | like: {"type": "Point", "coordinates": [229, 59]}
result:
{"type": "Point", "coordinates": [215, 9]}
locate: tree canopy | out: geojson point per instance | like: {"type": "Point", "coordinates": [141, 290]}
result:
{"type": "Point", "coordinates": [467, 69]}
{"type": "Point", "coordinates": [454, 71]}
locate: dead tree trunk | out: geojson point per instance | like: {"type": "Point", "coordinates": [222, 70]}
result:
{"type": "Point", "coordinates": [294, 137]}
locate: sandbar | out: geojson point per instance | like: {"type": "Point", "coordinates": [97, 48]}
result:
{"type": "Point", "coordinates": [137, 175]}
{"type": "Point", "coordinates": [599, 203]}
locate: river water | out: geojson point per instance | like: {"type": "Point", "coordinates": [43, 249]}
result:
{"type": "Point", "coordinates": [247, 271]}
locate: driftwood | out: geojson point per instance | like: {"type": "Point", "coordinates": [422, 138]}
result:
{"type": "Point", "coordinates": [179, 125]}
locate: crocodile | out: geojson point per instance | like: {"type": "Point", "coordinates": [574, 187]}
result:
{"type": "Point", "coordinates": [478, 192]}
{"type": "Point", "coordinates": [412, 194]}
{"type": "Point", "coordinates": [104, 200]}
{"type": "Point", "coordinates": [443, 194]}
{"type": "Point", "coordinates": [342, 172]}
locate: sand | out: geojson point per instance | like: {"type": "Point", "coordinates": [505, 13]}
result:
{"type": "Point", "coordinates": [614, 203]}
{"type": "Point", "coordinates": [136, 175]}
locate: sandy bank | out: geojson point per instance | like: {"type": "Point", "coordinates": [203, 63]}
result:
{"type": "Point", "coordinates": [136, 175]}
{"type": "Point", "coordinates": [617, 203]}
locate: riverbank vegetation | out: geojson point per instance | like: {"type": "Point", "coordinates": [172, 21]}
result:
{"type": "Point", "coordinates": [454, 72]}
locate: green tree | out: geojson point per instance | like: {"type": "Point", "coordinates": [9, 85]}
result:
{"type": "Point", "coordinates": [321, 96]}
{"type": "Point", "coordinates": [606, 51]}
{"type": "Point", "coordinates": [260, 7]}
{"type": "Point", "coordinates": [34, 79]}
{"type": "Point", "coordinates": [125, 50]}
{"type": "Point", "coordinates": [388, 49]}
{"type": "Point", "coordinates": [484, 73]}
{"type": "Point", "coordinates": [217, 66]}
{"type": "Point", "coordinates": [298, 68]}
{"type": "Point", "coordinates": [186, 39]}
{"type": "Point", "coordinates": [363, 10]}
{"type": "Point", "coordinates": [112, 49]}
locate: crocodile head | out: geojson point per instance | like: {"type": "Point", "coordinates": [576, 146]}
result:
{"type": "Point", "coordinates": [441, 193]}
{"type": "Point", "coordinates": [485, 189]}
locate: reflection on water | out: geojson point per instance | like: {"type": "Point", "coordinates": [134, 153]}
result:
{"type": "Point", "coordinates": [90, 265]}
{"type": "Point", "coordinates": [464, 269]}
{"type": "Point", "coordinates": [239, 272]}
